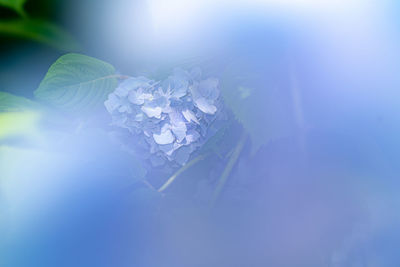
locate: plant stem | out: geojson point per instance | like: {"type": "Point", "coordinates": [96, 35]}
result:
{"type": "Point", "coordinates": [228, 169]}
{"type": "Point", "coordinates": [180, 171]}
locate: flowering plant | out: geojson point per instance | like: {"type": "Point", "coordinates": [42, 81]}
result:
{"type": "Point", "coordinates": [169, 120]}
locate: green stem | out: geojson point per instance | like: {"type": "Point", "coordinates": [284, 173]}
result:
{"type": "Point", "coordinates": [180, 171]}
{"type": "Point", "coordinates": [228, 169]}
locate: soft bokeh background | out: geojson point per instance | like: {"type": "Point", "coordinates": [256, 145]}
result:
{"type": "Point", "coordinates": [324, 191]}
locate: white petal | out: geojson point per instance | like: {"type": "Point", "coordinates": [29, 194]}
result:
{"type": "Point", "coordinates": [179, 130]}
{"type": "Point", "coordinates": [152, 112]}
{"type": "Point", "coordinates": [146, 96]}
{"type": "Point", "coordinates": [122, 91]}
{"type": "Point", "coordinates": [139, 117]}
{"type": "Point", "coordinates": [204, 106]}
{"type": "Point", "coordinates": [164, 138]}
{"type": "Point", "coordinates": [189, 116]}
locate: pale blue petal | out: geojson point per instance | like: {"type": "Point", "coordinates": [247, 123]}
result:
{"type": "Point", "coordinates": [139, 117]}
{"type": "Point", "coordinates": [178, 125]}
{"type": "Point", "coordinates": [190, 116]}
{"type": "Point", "coordinates": [179, 131]}
{"type": "Point", "coordinates": [204, 106]}
{"type": "Point", "coordinates": [134, 97]}
{"type": "Point", "coordinates": [175, 117]}
{"type": "Point", "coordinates": [122, 91]}
{"type": "Point", "coordinates": [112, 103]}
{"type": "Point", "coordinates": [164, 138]}
{"type": "Point", "coordinates": [125, 108]}
{"type": "Point", "coordinates": [194, 90]}
{"type": "Point", "coordinates": [167, 149]}
{"type": "Point", "coordinates": [209, 88]}
{"type": "Point", "coordinates": [152, 112]}
{"type": "Point", "coordinates": [177, 85]}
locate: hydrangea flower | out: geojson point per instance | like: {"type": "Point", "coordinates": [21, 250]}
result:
{"type": "Point", "coordinates": [169, 119]}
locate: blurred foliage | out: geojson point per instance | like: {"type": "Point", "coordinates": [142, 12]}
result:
{"type": "Point", "coordinates": [30, 41]}
{"type": "Point", "coordinates": [9, 102]}
{"type": "Point", "coordinates": [34, 29]}
{"type": "Point", "coordinates": [259, 97]}
{"type": "Point", "coordinates": [260, 100]}
{"type": "Point", "coordinates": [19, 118]}
{"type": "Point", "coordinates": [17, 5]}
{"type": "Point", "coordinates": [19, 124]}
{"type": "Point", "coordinates": [39, 31]}
{"type": "Point", "coordinates": [77, 83]}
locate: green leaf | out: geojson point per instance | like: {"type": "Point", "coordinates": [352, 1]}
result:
{"type": "Point", "coordinates": [17, 5]}
{"type": "Point", "coordinates": [39, 31]}
{"type": "Point", "coordinates": [77, 83]}
{"type": "Point", "coordinates": [259, 100]}
{"type": "Point", "coordinates": [12, 103]}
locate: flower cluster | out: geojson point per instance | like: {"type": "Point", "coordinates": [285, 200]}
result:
{"type": "Point", "coordinates": [170, 119]}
